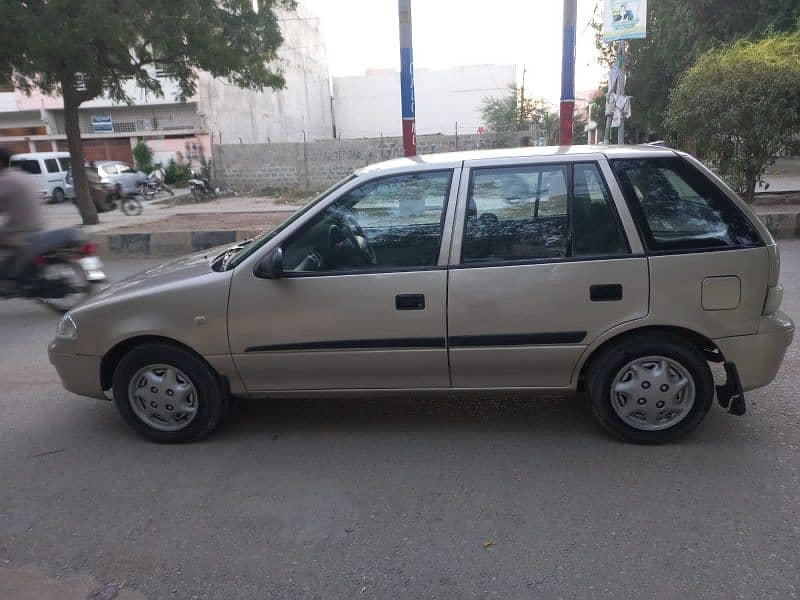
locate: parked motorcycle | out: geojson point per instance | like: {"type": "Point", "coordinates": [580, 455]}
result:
{"type": "Point", "coordinates": [201, 187]}
{"type": "Point", "coordinates": [154, 186]}
{"type": "Point", "coordinates": [58, 269]}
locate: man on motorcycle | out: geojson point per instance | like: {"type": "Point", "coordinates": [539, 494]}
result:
{"type": "Point", "coordinates": [21, 214]}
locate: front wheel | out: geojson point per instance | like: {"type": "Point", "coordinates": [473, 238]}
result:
{"type": "Point", "coordinates": [168, 394]}
{"type": "Point", "coordinates": [147, 192]}
{"type": "Point", "coordinates": [650, 390]}
{"type": "Point", "coordinates": [131, 206]}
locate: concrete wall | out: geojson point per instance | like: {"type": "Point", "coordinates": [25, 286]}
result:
{"type": "Point", "coordinates": [369, 105]}
{"type": "Point", "coordinates": [239, 116]}
{"type": "Point", "coordinates": [317, 165]}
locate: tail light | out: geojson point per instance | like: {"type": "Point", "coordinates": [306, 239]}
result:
{"type": "Point", "coordinates": [89, 249]}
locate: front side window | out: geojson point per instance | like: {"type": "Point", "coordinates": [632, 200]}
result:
{"type": "Point", "coordinates": [539, 212]}
{"type": "Point", "coordinates": [679, 208]}
{"type": "Point", "coordinates": [64, 162]}
{"type": "Point", "coordinates": [30, 166]}
{"type": "Point", "coordinates": [123, 168]}
{"type": "Point", "coordinates": [52, 165]}
{"type": "Point", "coordinates": [390, 223]}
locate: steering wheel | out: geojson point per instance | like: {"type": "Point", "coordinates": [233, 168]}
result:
{"type": "Point", "coordinates": [355, 234]}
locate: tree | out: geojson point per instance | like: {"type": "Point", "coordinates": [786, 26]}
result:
{"type": "Point", "coordinates": [509, 115]}
{"type": "Point", "coordinates": [678, 32]}
{"type": "Point", "coordinates": [143, 156]}
{"type": "Point", "coordinates": [82, 49]}
{"type": "Point", "coordinates": [741, 105]}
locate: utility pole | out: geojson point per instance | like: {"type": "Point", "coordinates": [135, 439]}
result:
{"type": "Point", "coordinates": [407, 79]}
{"type": "Point", "coordinates": [521, 99]}
{"type": "Point", "coordinates": [567, 112]}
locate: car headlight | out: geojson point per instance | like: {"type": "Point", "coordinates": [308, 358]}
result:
{"type": "Point", "coordinates": [67, 329]}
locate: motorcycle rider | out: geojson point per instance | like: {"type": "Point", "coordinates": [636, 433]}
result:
{"type": "Point", "coordinates": [21, 211]}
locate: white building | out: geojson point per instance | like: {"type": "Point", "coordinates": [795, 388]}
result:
{"type": "Point", "coordinates": [369, 105]}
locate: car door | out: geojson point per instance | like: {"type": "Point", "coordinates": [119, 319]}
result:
{"type": "Point", "coordinates": [541, 265]}
{"type": "Point", "coordinates": [361, 302]}
{"type": "Point", "coordinates": [127, 175]}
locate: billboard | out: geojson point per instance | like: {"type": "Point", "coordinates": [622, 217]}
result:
{"type": "Point", "coordinates": [624, 19]}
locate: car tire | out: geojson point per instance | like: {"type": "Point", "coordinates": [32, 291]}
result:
{"type": "Point", "coordinates": [626, 367]}
{"type": "Point", "coordinates": [150, 363]}
{"type": "Point", "coordinates": [58, 196]}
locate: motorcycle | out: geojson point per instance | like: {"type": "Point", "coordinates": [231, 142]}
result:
{"type": "Point", "coordinates": [58, 269]}
{"type": "Point", "coordinates": [129, 205]}
{"type": "Point", "coordinates": [200, 187]}
{"type": "Point", "coordinates": [154, 186]}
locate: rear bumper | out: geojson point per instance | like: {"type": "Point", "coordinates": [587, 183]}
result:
{"type": "Point", "coordinates": [759, 356]}
{"type": "Point", "coordinates": [79, 374]}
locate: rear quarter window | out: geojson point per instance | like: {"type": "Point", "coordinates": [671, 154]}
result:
{"type": "Point", "coordinates": [677, 208]}
{"type": "Point", "coordinates": [30, 166]}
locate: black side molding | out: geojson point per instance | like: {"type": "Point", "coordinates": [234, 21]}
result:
{"type": "Point", "coordinates": [517, 339]}
{"type": "Point", "coordinates": [375, 344]}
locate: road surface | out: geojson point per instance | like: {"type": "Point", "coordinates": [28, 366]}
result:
{"type": "Point", "coordinates": [401, 498]}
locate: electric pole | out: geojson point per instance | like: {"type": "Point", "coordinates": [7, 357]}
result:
{"type": "Point", "coordinates": [407, 79]}
{"type": "Point", "coordinates": [567, 112]}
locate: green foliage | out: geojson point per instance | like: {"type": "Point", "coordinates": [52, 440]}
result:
{"type": "Point", "coordinates": [741, 105]}
{"type": "Point", "coordinates": [177, 173]}
{"type": "Point", "coordinates": [510, 115]}
{"type": "Point", "coordinates": [143, 157]}
{"type": "Point", "coordinates": [678, 32]}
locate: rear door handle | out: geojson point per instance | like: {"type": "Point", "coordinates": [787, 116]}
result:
{"type": "Point", "coordinates": [409, 302]}
{"type": "Point", "coordinates": [606, 292]}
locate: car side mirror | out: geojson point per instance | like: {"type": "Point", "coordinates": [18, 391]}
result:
{"type": "Point", "coordinates": [271, 266]}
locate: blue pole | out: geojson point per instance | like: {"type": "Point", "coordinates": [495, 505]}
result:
{"type": "Point", "coordinates": [407, 79]}
{"type": "Point", "coordinates": [567, 109]}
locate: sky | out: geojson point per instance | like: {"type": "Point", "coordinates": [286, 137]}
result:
{"type": "Point", "coordinates": [363, 34]}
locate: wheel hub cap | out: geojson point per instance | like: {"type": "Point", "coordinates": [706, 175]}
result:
{"type": "Point", "coordinates": [163, 397]}
{"type": "Point", "coordinates": [652, 393]}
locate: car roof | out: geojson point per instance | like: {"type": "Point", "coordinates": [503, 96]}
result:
{"type": "Point", "coordinates": [611, 151]}
{"type": "Point", "coordinates": [35, 155]}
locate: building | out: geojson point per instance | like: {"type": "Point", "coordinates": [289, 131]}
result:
{"type": "Point", "coordinates": [369, 105]}
{"type": "Point", "coordinates": [218, 111]}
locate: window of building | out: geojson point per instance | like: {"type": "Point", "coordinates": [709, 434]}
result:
{"type": "Point", "coordinates": [679, 208]}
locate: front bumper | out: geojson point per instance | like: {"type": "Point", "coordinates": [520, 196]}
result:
{"type": "Point", "coordinates": [79, 374]}
{"type": "Point", "coordinates": [759, 356]}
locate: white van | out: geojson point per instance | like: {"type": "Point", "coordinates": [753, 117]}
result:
{"type": "Point", "coordinates": [49, 169]}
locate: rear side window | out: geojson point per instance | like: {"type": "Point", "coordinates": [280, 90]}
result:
{"type": "Point", "coordinates": [64, 162]}
{"type": "Point", "coordinates": [31, 166]}
{"type": "Point", "coordinates": [678, 208]}
{"type": "Point", "coordinates": [51, 164]}
{"type": "Point", "coordinates": [539, 212]}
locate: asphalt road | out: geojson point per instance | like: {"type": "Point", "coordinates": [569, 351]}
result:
{"type": "Point", "coordinates": [400, 498]}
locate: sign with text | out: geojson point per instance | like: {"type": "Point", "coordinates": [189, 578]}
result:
{"type": "Point", "coordinates": [624, 20]}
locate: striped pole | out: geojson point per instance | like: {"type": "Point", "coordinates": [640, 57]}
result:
{"type": "Point", "coordinates": [567, 112]}
{"type": "Point", "coordinates": [407, 79]}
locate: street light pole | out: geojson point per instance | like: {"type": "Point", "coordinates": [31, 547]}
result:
{"type": "Point", "coordinates": [407, 79]}
{"type": "Point", "coordinates": [567, 112]}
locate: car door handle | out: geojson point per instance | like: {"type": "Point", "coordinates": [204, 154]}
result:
{"type": "Point", "coordinates": [607, 292]}
{"type": "Point", "coordinates": [409, 302]}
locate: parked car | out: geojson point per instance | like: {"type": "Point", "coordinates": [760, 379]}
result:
{"type": "Point", "coordinates": [122, 178]}
{"type": "Point", "coordinates": [48, 168]}
{"type": "Point", "coordinates": [618, 271]}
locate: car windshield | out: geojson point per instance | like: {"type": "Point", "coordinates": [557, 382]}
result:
{"type": "Point", "coordinates": [248, 248]}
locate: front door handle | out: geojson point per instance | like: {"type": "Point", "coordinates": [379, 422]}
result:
{"type": "Point", "coordinates": [607, 292]}
{"type": "Point", "coordinates": [409, 302]}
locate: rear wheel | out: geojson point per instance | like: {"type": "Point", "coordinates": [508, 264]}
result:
{"type": "Point", "coordinates": [168, 394]}
{"type": "Point", "coordinates": [650, 390]}
{"type": "Point", "coordinates": [66, 279]}
{"type": "Point", "coordinates": [58, 195]}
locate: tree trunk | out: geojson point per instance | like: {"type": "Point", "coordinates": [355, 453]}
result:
{"type": "Point", "coordinates": [80, 182]}
{"type": "Point", "coordinates": [751, 178]}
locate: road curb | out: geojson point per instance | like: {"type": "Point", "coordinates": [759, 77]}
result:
{"type": "Point", "coordinates": [177, 243]}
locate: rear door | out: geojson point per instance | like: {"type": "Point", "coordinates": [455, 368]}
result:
{"type": "Point", "coordinates": [540, 266]}
{"type": "Point", "coordinates": [709, 267]}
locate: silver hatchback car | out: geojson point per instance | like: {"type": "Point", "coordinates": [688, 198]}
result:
{"type": "Point", "coordinates": [618, 271]}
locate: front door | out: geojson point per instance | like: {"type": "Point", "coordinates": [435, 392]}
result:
{"type": "Point", "coordinates": [541, 267]}
{"type": "Point", "coordinates": [362, 301]}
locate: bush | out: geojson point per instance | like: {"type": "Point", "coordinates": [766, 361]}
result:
{"type": "Point", "coordinates": [143, 157]}
{"type": "Point", "coordinates": [177, 173]}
